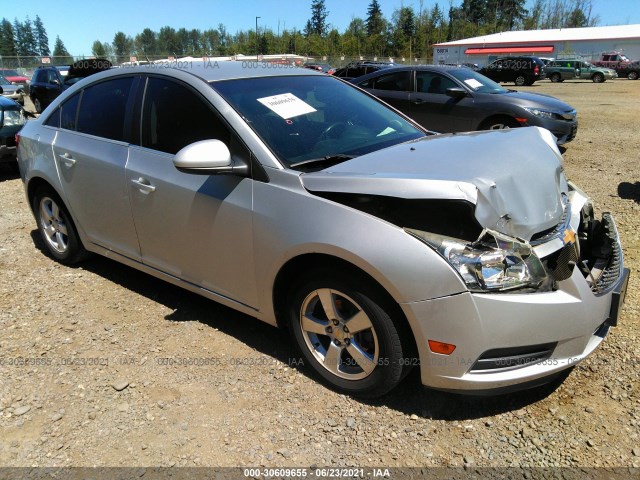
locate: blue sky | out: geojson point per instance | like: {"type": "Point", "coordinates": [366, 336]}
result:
{"type": "Point", "coordinates": [79, 23]}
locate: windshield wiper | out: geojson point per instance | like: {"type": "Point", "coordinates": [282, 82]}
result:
{"type": "Point", "coordinates": [329, 160]}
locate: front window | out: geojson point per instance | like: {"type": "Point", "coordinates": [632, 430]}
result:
{"type": "Point", "coordinates": [476, 82]}
{"type": "Point", "coordinates": [307, 118]}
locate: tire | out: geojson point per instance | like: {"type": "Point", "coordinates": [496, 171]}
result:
{"type": "Point", "coordinates": [56, 228]}
{"type": "Point", "coordinates": [556, 77]}
{"type": "Point", "coordinates": [632, 76]}
{"type": "Point", "coordinates": [520, 80]}
{"type": "Point", "coordinates": [499, 123]}
{"type": "Point", "coordinates": [347, 337]}
{"type": "Point", "coordinates": [597, 78]}
{"type": "Point", "coordinates": [37, 105]}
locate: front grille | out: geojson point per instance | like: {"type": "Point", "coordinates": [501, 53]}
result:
{"type": "Point", "coordinates": [560, 264]}
{"type": "Point", "coordinates": [558, 230]}
{"type": "Point", "coordinates": [613, 270]}
{"type": "Point", "coordinates": [500, 359]}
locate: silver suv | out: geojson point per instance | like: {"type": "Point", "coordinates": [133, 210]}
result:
{"type": "Point", "coordinates": [294, 197]}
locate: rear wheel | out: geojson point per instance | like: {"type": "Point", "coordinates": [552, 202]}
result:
{"type": "Point", "coordinates": [348, 338]}
{"type": "Point", "coordinates": [37, 105]}
{"type": "Point", "coordinates": [597, 78]}
{"type": "Point", "coordinates": [520, 80]}
{"type": "Point", "coordinates": [556, 78]}
{"type": "Point", "coordinates": [56, 228]}
{"type": "Point", "coordinates": [632, 76]}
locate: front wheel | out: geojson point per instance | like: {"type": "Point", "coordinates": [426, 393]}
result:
{"type": "Point", "coordinates": [597, 78]}
{"type": "Point", "coordinates": [37, 105]}
{"type": "Point", "coordinates": [498, 123]}
{"type": "Point", "coordinates": [56, 228]}
{"type": "Point", "coordinates": [520, 80]}
{"type": "Point", "coordinates": [556, 78]}
{"type": "Point", "coordinates": [347, 337]}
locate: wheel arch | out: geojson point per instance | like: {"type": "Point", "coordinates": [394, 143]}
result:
{"type": "Point", "coordinates": [493, 117]}
{"type": "Point", "coordinates": [293, 268]}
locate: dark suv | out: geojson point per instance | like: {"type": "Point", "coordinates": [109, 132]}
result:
{"type": "Point", "coordinates": [522, 70]}
{"type": "Point", "coordinates": [49, 82]}
{"type": "Point", "coordinates": [357, 69]}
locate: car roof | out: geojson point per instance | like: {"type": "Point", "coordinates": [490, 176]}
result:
{"type": "Point", "coordinates": [213, 71]}
{"type": "Point", "coordinates": [397, 68]}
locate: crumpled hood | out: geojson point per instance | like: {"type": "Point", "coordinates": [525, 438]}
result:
{"type": "Point", "coordinates": [514, 177]}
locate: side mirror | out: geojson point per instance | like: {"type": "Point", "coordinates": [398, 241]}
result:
{"type": "Point", "coordinates": [456, 92]}
{"type": "Point", "coordinates": [207, 157]}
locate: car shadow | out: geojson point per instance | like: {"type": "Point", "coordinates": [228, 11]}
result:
{"type": "Point", "coordinates": [9, 171]}
{"type": "Point", "coordinates": [629, 191]}
{"type": "Point", "coordinates": [410, 397]}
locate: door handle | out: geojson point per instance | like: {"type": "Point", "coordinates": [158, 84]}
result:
{"type": "Point", "coordinates": [67, 159]}
{"type": "Point", "coordinates": [417, 101]}
{"type": "Point", "coordinates": [144, 185]}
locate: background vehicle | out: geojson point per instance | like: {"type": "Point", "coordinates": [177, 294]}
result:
{"type": "Point", "coordinates": [457, 99]}
{"type": "Point", "coordinates": [574, 69]}
{"type": "Point", "coordinates": [49, 82]}
{"type": "Point", "coordinates": [357, 69]}
{"type": "Point", "coordinates": [12, 91]}
{"type": "Point", "coordinates": [16, 78]}
{"type": "Point", "coordinates": [524, 70]}
{"type": "Point", "coordinates": [298, 199]}
{"type": "Point", "coordinates": [11, 121]}
{"type": "Point", "coordinates": [620, 63]}
{"type": "Point", "coordinates": [320, 67]}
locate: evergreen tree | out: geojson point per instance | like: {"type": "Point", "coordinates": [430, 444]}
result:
{"type": "Point", "coordinates": [7, 42]}
{"type": "Point", "coordinates": [122, 46]}
{"type": "Point", "coordinates": [98, 50]}
{"type": "Point", "coordinates": [375, 19]}
{"type": "Point", "coordinates": [60, 53]}
{"type": "Point", "coordinates": [318, 23]}
{"type": "Point", "coordinates": [41, 38]}
{"type": "Point", "coordinates": [146, 42]}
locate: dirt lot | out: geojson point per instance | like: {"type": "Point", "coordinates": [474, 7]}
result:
{"type": "Point", "coordinates": [102, 365]}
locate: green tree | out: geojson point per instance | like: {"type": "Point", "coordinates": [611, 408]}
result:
{"type": "Point", "coordinates": [122, 47]}
{"type": "Point", "coordinates": [318, 23]}
{"type": "Point", "coordinates": [146, 43]}
{"type": "Point", "coordinates": [7, 41]}
{"type": "Point", "coordinates": [98, 50]}
{"type": "Point", "coordinates": [168, 42]}
{"type": "Point", "coordinates": [375, 20]}
{"type": "Point", "coordinates": [41, 38]}
{"type": "Point", "coordinates": [60, 53]}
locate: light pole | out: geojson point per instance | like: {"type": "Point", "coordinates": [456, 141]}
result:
{"type": "Point", "coordinates": [257, 44]}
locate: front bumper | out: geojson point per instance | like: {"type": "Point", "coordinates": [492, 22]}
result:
{"type": "Point", "coordinates": [515, 340]}
{"type": "Point", "coordinates": [563, 130]}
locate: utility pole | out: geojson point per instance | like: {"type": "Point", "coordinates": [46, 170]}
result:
{"type": "Point", "coordinates": [257, 43]}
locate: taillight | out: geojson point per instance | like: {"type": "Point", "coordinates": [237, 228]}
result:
{"type": "Point", "coordinates": [536, 70]}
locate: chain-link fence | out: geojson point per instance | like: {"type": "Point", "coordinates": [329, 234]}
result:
{"type": "Point", "coordinates": [26, 65]}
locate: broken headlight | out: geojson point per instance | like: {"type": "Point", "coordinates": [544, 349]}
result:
{"type": "Point", "coordinates": [494, 262]}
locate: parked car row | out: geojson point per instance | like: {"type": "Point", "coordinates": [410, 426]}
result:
{"type": "Point", "coordinates": [299, 199]}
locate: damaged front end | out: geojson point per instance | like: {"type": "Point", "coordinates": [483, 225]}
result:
{"type": "Point", "coordinates": [496, 262]}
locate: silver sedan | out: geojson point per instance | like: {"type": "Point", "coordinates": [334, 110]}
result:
{"type": "Point", "coordinates": [295, 197]}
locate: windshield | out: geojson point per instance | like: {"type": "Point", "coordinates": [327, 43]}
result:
{"type": "Point", "coordinates": [315, 117]}
{"type": "Point", "coordinates": [476, 81]}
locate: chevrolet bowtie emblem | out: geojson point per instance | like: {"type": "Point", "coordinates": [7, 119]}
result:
{"type": "Point", "coordinates": [569, 236]}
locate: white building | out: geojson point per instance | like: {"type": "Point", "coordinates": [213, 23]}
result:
{"type": "Point", "coordinates": [589, 42]}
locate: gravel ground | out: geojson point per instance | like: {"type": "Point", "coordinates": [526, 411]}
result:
{"type": "Point", "coordinates": [101, 365]}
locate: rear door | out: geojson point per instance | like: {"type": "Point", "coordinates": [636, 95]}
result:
{"type": "Point", "coordinates": [394, 88]}
{"type": "Point", "coordinates": [91, 151]}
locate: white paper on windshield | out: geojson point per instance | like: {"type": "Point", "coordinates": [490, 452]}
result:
{"type": "Point", "coordinates": [286, 105]}
{"type": "Point", "coordinates": [473, 83]}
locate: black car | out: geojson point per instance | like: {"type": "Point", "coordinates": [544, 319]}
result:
{"type": "Point", "coordinates": [524, 70]}
{"type": "Point", "coordinates": [457, 99]}
{"type": "Point", "coordinates": [358, 69]}
{"type": "Point", "coordinates": [49, 82]}
{"type": "Point", "coordinates": [12, 119]}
